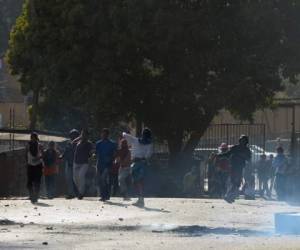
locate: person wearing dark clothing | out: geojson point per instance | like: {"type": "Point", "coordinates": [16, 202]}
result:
{"type": "Point", "coordinates": [34, 167]}
{"type": "Point", "coordinates": [82, 155]}
{"type": "Point", "coordinates": [280, 164]}
{"type": "Point", "coordinates": [50, 158]}
{"type": "Point", "coordinates": [105, 154]}
{"type": "Point", "coordinates": [263, 173]}
{"type": "Point", "coordinates": [68, 157]}
{"type": "Point", "coordinates": [238, 155]}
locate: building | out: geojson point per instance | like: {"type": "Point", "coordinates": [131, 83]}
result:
{"type": "Point", "coordinates": [278, 121]}
{"type": "Point", "coordinates": [12, 102]}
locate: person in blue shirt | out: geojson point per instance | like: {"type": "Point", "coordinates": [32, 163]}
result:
{"type": "Point", "coordinates": [280, 165]}
{"type": "Point", "coordinates": [105, 153]}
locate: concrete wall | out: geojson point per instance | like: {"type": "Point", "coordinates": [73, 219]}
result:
{"type": "Point", "coordinates": [13, 177]}
{"type": "Point", "coordinates": [13, 173]}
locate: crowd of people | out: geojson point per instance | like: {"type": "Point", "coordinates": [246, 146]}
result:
{"type": "Point", "coordinates": [118, 164]}
{"type": "Point", "coordinates": [232, 172]}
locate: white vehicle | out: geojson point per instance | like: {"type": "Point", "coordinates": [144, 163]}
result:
{"type": "Point", "coordinates": [258, 151]}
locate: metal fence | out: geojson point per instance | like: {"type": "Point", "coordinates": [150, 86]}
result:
{"type": "Point", "coordinates": [230, 134]}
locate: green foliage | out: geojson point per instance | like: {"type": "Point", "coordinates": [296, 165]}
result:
{"type": "Point", "coordinates": [171, 64]}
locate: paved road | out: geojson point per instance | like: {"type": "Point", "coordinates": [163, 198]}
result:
{"type": "Point", "coordinates": [163, 224]}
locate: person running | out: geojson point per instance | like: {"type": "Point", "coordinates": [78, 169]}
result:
{"type": "Point", "coordinates": [141, 151]}
{"type": "Point", "coordinates": [105, 153]}
{"type": "Point", "coordinates": [280, 164]}
{"type": "Point", "coordinates": [238, 155]}
{"type": "Point", "coordinates": [51, 161]}
{"type": "Point", "coordinates": [124, 160]}
{"type": "Point", "coordinates": [34, 167]}
{"type": "Point", "coordinates": [222, 170]}
{"type": "Point", "coordinates": [68, 157]}
{"type": "Point", "coordinates": [263, 173]}
{"type": "Point", "coordinates": [82, 155]}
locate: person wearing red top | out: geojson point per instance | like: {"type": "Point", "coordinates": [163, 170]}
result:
{"type": "Point", "coordinates": [51, 161]}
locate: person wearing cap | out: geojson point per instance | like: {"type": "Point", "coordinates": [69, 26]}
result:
{"type": "Point", "coordinates": [68, 156]}
{"type": "Point", "coordinates": [82, 155]}
{"type": "Point", "coordinates": [238, 156]}
{"type": "Point", "coordinates": [141, 152]}
{"type": "Point", "coordinates": [34, 167]}
{"type": "Point", "coordinates": [222, 170]}
{"type": "Point", "coordinates": [105, 153]}
{"type": "Point", "coordinates": [280, 164]}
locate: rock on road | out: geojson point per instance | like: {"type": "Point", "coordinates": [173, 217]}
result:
{"type": "Point", "coordinates": [163, 224]}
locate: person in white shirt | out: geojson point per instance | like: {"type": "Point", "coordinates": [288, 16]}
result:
{"type": "Point", "coordinates": [141, 152]}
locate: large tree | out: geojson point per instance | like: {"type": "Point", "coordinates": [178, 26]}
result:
{"type": "Point", "coordinates": [9, 11]}
{"type": "Point", "coordinates": [207, 55]}
{"type": "Point", "coordinates": [170, 64]}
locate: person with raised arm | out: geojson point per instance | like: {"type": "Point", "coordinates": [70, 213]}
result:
{"type": "Point", "coordinates": [141, 152]}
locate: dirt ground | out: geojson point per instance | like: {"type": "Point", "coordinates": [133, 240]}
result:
{"type": "Point", "coordinates": [162, 224]}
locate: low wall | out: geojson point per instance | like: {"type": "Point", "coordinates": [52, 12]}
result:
{"type": "Point", "coordinates": [13, 173]}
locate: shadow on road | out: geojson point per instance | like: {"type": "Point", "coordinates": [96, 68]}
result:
{"type": "Point", "coordinates": [195, 231]}
{"type": "Point", "coordinates": [118, 204]}
{"type": "Point", "coordinates": [192, 230]}
{"type": "Point", "coordinates": [41, 204]}
{"type": "Point", "coordinates": [149, 209]}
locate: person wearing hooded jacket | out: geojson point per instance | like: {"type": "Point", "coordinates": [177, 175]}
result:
{"type": "Point", "coordinates": [238, 155]}
{"type": "Point", "coordinates": [141, 152]}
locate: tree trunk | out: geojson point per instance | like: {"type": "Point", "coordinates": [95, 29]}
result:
{"type": "Point", "coordinates": [175, 142]}
{"type": "Point", "coordinates": [196, 135]}
{"type": "Point", "coordinates": [34, 111]}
